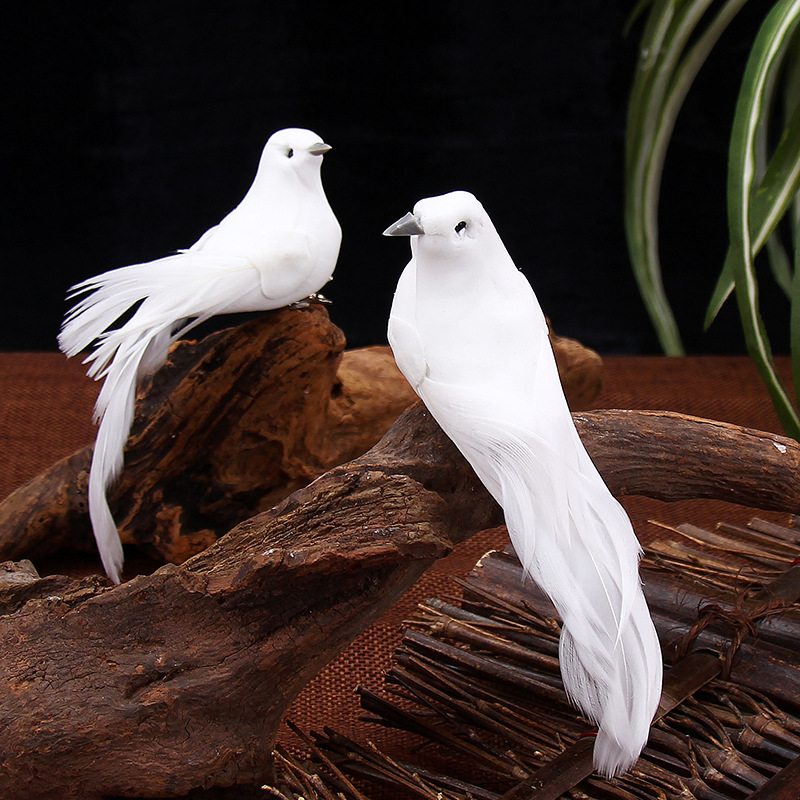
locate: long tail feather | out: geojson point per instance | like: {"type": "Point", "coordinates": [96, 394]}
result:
{"type": "Point", "coordinates": [104, 469]}
{"type": "Point", "coordinates": [585, 556]}
{"type": "Point", "coordinates": [185, 282]}
{"type": "Point", "coordinates": [115, 412]}
{"type": "Point", "coordinates": [176, 292]}
{"type": "Point", "coordinates": [108, 297]}
{"type": "Point", "coordinates": [121, 356]}
{"type": "Point", "coordinates": [576, 542]}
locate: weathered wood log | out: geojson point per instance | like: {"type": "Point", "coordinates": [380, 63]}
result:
{"type": "Point", "coordinates": [183, 675]}
{"type": "Point", "coordinates": [230, 426]}
{"type": "Point", "coordinates": [179, 679]}
{"type": "Point", "coordinates": [710, 459]}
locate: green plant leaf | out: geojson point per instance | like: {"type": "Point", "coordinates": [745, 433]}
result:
{"type": "Point", "coordinates": [754, 101]}
{"type": "Point", "coordinates": [663, 78]}
{"type": "Point", "coordinates": [722, 291]}
{"type": "Point", "coordinates": [779, 264]}
{"type": "Point", "coordinates": [637, 12]}
{"type": "Point", "coordinates": [794, 318]}
{"type": "Point", "coordinates": [769, 204]}
{"type": "Point", "coordinates": [779, 184]}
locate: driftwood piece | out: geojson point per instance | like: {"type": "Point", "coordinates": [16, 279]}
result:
{"type": "Point", "coordinates": [701, 637]}
{"type": "Point", "coordinates": [179, 679]}
{"type": "Point", "coordinates": [229, 427]}
{"type": "Point", "coordinates": [480, 679]}
{"type": "Point", "coordinates": [694, 458]}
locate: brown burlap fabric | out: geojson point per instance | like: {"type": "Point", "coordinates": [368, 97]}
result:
{"type": "Point", "coordinates": [45, 413]}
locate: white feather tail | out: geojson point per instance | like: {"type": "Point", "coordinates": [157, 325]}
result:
{"type": "Point", "coordinates": [577, 543]}
{"type": "Point", "coordinates": [106, 464]}
{"type": "Point", "coordinates": [114, 410]}
{"type": "Point", "coordinates": [122, 355]}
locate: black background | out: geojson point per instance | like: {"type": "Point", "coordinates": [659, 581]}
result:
{"type": "Point", "coordinates": [131, 127]}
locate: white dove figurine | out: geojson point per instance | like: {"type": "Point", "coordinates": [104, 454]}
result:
{"type": "Point", "coordinates": [469, 335]}
{"type": "Point", "coordinates": [278, 246]}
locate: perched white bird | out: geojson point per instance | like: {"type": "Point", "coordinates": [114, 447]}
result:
{"type": "Point", "coordinates": [467, 332]}
{"type": "Point", "coordinates": [278, 246]}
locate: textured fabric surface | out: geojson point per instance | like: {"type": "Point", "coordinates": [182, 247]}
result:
{"type": "Point", "coordinates": [45, 414]}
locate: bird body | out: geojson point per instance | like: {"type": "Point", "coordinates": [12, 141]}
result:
{"type": "Point", "coordinates": [468, 333]}
{"type": "Point", "coordinates": [277, 247]}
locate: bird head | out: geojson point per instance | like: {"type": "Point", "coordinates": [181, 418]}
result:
{"type": "Point", "coordinates": [294, 150]}
{"type": "Point", "coordinates": [448, 223]}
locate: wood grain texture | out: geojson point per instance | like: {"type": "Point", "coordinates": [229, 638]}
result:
{"type": "Point", "coordinates": [229, 427]}
{"type": "Point", "coordinates": [178, 680]}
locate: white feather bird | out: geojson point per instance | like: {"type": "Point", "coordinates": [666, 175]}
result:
{"type": "Point", "coordinates": [277, 247]}
{"type": "Point", "coordinates": [467, 332]}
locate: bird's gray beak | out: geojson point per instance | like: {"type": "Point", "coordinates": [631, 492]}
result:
{"type": "Point", "coordinates": [409, 225]}
{"type": "Point", "coordinates": [319, 149]}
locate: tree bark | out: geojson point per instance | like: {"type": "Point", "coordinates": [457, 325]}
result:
{"type": "Point", "coordinates": [178, 680]}
{"type": "Point", "coordinates": [230, 426]}
{"type": "Point", "coordinates": [674, 456]}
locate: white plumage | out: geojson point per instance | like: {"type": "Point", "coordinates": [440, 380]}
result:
{"type": "Point", "coordinates": [278, 246]}
{"type": "Point", "coordinates": [469, 335]}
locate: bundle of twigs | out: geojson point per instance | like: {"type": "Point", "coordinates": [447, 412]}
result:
{"type": "Point", "coordinates": [479, 683]}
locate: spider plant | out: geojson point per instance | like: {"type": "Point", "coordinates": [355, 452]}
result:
{"type": "Point", "coordinates": [763, 178]}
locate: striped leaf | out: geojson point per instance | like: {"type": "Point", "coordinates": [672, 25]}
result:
{"type": "Point", "coordinates": [666, 69]}
{"type": "Point", "coordinates": [753, 106]}
{"type": "Point", "coordinates": [768, 206]}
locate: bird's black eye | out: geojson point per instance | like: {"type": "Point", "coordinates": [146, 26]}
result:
{"type": "Point", "coordinates": [460, 227]}
{"type": "Point", "coordinates": [289, 153]}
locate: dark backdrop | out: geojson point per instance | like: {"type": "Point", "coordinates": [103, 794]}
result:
{"type": "Point", "coordinates": [131, 127]}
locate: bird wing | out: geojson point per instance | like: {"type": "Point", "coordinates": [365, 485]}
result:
{"type": "Point", "coordinates": [183, 283]}
{"type": "Point", "coordinates": [405, 341]}
{"type": "Point", "coordinates": [284, 263]}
